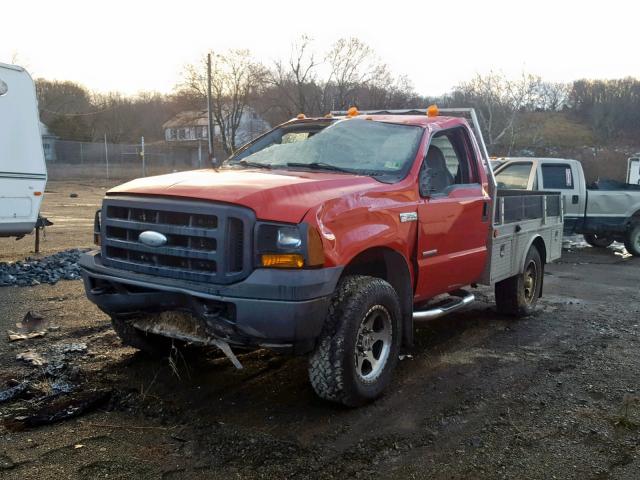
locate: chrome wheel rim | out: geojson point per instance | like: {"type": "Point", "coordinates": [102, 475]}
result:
{"type": "Point", "coordinates": [373, 343]}
{"type": "Point", "coordinates": [530, 281]}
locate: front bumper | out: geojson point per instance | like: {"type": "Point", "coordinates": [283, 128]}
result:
{"type": "Point", "coordinates": [279, 309]}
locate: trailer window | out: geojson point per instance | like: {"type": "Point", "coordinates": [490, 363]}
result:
{"type": "Point", "coordinates": [514, 176]}
{"type": "Point", "coordinates": [557, 176]}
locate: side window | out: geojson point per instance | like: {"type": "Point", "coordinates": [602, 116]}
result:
{"type": "Point", "coordinates": [293, 137]}
{"type": "Point", "coordinates": [446, 163]}
{"type": "Point", "coordinates": [514, 176]}
{"type": "Point", "coordinates": [557, 176]}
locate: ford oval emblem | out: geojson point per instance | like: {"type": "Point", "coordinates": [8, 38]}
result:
{"type": "Point", "coordinates": [152, 239]}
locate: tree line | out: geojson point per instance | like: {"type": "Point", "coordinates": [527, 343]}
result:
{"type": "Point", "coordinates": [349, 73]}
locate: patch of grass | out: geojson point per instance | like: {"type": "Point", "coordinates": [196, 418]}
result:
{"type": "Point", "coordinates": [626, 416]}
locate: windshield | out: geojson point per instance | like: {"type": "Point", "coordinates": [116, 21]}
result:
{"type": "Point", "coordinates": [298, 132]}
{"type": "Point", "coordinates": [383, 150]}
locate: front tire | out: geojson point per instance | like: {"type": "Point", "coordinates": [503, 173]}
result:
{"type": "Point", "coordinates": [597, 241]}
{"type": "Point", "coordinates": [632, 241]}
{"type": "Point", "coordinates": [519, 294]}
{"type": "Point", "coordinates": [358, 349]}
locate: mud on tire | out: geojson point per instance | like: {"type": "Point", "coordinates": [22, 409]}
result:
{"type": "Point", "coordinates": [336, 370]}
{"type": "Point", "coordinates": [519, 294]}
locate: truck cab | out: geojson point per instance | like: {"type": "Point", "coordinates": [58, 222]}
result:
{"type": "Point", "coordinates": [604, 212]}
{"type": "Point", "coordinates": [550, 174]}
{"type": "Point", "coordinates": [326, 237]}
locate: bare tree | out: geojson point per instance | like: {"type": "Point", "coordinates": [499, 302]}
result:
{"type": "Point", "coordinates": [62, 107]}
{"type": "Point", "coordinates": [296, 79]}
{"type": "Point", "coordinates": [498, 101]}
{"type": "Point", "coordinates": [553, 96]}
{"type": "Point", "coordinates": [236, 77]}
{"type": "Point", "coordinates": [352, 63]}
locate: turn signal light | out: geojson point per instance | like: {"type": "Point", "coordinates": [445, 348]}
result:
{"type": "Point", "coordinates": [283, 260]}
{"type": "Point", "coordinates": [315, 252]}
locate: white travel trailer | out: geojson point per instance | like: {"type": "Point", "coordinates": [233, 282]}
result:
{"type": "Point", "coordinates": [23, 172]}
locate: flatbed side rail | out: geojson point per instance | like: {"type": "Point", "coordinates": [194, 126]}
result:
{"type": "Point", "coordinates": [519, 205]}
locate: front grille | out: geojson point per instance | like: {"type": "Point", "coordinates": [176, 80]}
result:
{"type": "Point", "coordinates": [205, 241]}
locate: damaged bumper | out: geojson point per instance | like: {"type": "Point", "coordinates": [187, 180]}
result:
{"type": "Point", "coordinates": [282, 310]}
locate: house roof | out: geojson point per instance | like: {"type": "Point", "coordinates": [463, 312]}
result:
{"type": "Point", "coordinates": [188, 118]}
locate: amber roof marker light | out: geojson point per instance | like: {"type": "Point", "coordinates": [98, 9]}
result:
{"type": "Point", "coordinates": [352, 112]}
{"type": "Point", "coordinates": [433, 111]}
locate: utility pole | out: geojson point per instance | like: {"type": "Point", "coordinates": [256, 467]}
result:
{"type": "Point", "coordinates": [209, 114]}
{"type": "Point", "coordinates": [106, 154]}
{"type": "Point", "coordinates": [144, 167]}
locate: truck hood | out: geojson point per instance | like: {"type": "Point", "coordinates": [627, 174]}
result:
{"type": "Point", "coordinates": [281, 195]}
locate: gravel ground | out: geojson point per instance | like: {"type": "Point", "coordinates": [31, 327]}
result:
{"type": "Point", "coordinates": [49, 269]}
{"type": "Point", "coordinates": [556, 395]}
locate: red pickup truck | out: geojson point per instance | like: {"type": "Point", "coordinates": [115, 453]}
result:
{"type": "Point", "coordinates": [326, 237]}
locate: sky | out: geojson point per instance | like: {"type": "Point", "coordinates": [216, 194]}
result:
{"type": "Point", "coordinates": [140, 45]}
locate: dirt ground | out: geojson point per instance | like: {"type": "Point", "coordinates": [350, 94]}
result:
{"type": "Point", "coordinates": [555, 395]}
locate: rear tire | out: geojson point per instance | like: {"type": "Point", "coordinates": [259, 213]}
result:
{"type": "Point", "coordinates": [519, 294]}
{"type": "Point", "coordinates": [598, 241]}
{"type": "Point", "coordinates": [632, 240]}
{"type": "Point", "coordinates": [149, 343]}
{"type": "Point", "coordinates": [358, 348]}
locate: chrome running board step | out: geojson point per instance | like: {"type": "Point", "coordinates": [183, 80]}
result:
{"type": "Point", "coordinates": [457, 300]}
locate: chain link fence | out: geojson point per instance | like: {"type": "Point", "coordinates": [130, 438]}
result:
{"type": "Point", "coordinates": [70, 160]}
{"type": "Point", "coordinates": [67, 160]}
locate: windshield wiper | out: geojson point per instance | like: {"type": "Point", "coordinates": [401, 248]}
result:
{"type": "Point", "coordinates": [320, 166]}
{"type": "Point", "coordinates": [249, 163]}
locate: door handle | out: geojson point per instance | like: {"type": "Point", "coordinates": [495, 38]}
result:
{"type": "Point", "coordinates": [575, 199]}
{"type": "Point", "coordinates": [485, 211]}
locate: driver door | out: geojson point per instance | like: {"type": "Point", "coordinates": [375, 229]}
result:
{"type": "Point", "coordinates": [453, 216]}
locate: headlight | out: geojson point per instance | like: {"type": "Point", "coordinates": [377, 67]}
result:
{"type": "Point", "coordinates": [288, 246]}
{"type": "Point", "coordinates": [289, 238]}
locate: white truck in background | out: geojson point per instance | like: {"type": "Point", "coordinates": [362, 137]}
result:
{"type": "Point", "coordinates": [606, 212]}
{"type": "Point", "coordinates": [23, 172]}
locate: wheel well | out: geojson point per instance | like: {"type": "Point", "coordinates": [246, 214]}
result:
{"type": "Point", "coordinates": [385, 263]}
{"type": "Point", "coordinates": [542, 249]}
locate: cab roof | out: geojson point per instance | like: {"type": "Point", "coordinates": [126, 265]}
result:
{"type": "Point", "coordinates": [436, 123]}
